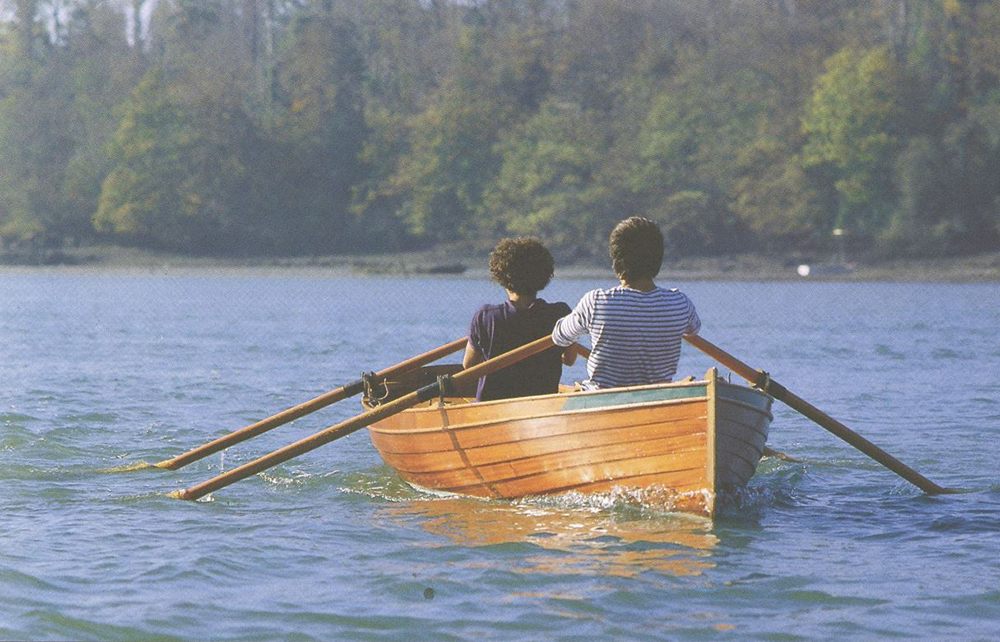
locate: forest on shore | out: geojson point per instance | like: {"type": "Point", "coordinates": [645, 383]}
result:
{"type": "Point", "coordinates": [298, 127]}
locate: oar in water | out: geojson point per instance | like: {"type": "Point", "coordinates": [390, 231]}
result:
{"type": "Point", "coordinates": [345, 428]}
{"type": "Point", "coordinates": [777, 454]}
{"type": "Point", "coordinates": [343, 392]}
{"type": "Point", "coordinates": [768, 452]}
{"type": "Point", "coordinates": [762, 380]}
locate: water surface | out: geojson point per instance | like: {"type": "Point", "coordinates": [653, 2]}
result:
{"type": "Point", "coordinates": [106, 369]}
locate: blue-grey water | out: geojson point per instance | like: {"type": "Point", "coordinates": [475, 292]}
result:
{"type": "Point", "coordinates": [100, 370]}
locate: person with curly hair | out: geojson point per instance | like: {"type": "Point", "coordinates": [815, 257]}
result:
{"type": "Point", "coordinates": [636, 327]}
{"type": "Point", "coordinates": [522, 267]}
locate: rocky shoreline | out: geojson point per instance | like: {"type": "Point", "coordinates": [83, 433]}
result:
{"type": "Point", "coordinates": [461, 262]}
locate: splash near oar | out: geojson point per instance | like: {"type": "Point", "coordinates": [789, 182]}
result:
{"type": "Point", "coordinates": [351, 425]}
{"type": "Point", "coordinates": [763, 381]}
{"type": "Point", "coordinates": [301, 410]}
{"type": "Point", "coordinates": [127, 468]}
{"type": "Point", "coordinates": [777, 454]}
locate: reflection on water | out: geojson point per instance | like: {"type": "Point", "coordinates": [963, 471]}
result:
{"type": "Point", "coordinates": [591, 541]}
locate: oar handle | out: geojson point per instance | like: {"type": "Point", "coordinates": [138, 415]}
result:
{"type": "Point", "coordinates": [303, 409]}
{"type": "Point", "coordinates": [371, 416]}
{"type": "Point", "coordinates": [763, 381]}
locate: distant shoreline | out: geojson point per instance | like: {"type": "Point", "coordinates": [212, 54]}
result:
{"type": "Point", "coordinates": [452, 263]}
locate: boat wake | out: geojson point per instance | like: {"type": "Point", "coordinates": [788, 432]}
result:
{"type": "Point", "coordinates": [298, 478]}
{"type": "Point", "coordinates": [126, 468]}
{"type": "Point", "coordinates": [776, 489]}
{"type": "Point", "coordinates": [384, 484]}
{"type": "Point", "coordinates": [653, 500]}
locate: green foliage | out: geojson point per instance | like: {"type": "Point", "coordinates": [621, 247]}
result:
{"type": "Point", "coordinates": [689, 221]}
{"type": "Point", "coordinates": [451, 159]}
{"type": "Point", "coordinates": [546, 185]}
{"type": "Point", "coordinates": [319, 135]}
{"type": "Point", "coordinates": [34, 147]}
{"type": "Point", "coordinates": [143, 197]}
{"type": "Point", "coordinates": [921, 223]}
{"type": "Point", "coordinates": [374, 202]}
{"type": "Point", "coordinates": [948, 191]}
{"type": "Point", "coordinates": [182, 170]}
{"type": "Point", "coordinates": [603, 40]}
{"type": "Point", "coordinates": [851, 125]}
{"type": "Point", "coordinates": [236, 126]}
{"type": "Point", "coordinates": [102, 72]}
{"type": "Point", "coordinates": [984, 56]}
{"type": "Point", "coordinates": [685, 151]}
{"type": "Point", "coordinates": [18, 223]}
{"type": "Point", "coordinates": [775, 200]}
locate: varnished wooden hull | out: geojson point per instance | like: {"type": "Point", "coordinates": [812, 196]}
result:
{"type": "Point", "coordinates": [680, 443]}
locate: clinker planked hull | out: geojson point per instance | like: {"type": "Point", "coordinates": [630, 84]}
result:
{"type": "Point", "coordinates": [682, 442]}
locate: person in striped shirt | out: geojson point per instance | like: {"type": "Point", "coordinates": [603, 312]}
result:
{"type": "Point", "coordinates": [635, 328]}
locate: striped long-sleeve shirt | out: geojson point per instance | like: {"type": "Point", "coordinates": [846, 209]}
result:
{"type": "Point", "coordinates": [636, 336]}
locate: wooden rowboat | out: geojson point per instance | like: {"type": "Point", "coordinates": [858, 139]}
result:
{"type": "Point", "coordinates": [677, 444]}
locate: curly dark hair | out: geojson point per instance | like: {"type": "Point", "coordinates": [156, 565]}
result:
{"type": "Point", "coordinates": [636, 249]}
{"type": "Point", "coordinates": [521, 265]}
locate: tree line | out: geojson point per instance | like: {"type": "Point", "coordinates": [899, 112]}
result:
{"type": "Point", "coordinates": [243, 127]}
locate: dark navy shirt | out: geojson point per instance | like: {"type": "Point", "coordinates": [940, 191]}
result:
{"type": "Point", "coordinates": [496, 329]}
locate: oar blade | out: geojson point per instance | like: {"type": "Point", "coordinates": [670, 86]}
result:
{"type": "Point", "coordinates": [364, 419]}
{"type": "Point", "coordinates": [762, 380]}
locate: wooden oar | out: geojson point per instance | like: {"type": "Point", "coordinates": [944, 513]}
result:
{"type": "Point", "coordinates": [343, 392]}
{"type": "Point", "coordinates": [762, 380]}
{"type": "Point", "coordinates": [768, 452]}
{"type": "Point", "coordinates": [777, 454]}
{"type": "Point", "coordinates": [345, 428]}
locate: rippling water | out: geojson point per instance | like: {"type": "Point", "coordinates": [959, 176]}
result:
{"type": "Point", "coordinates": [101, 370]}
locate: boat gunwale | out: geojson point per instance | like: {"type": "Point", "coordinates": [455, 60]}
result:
{"type": "Point", "coordinates": [601, 391]}
{"type": "Point", "coordinates": [546, 415]}
{"type": "Point", "coordinates": [558, 413]}
{"type": "Point", "coordinates": [577, 393]}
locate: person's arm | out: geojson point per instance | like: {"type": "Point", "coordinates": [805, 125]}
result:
{"type": "Point", "coordinates": [576, 324]}
{"type": "Point", "coordinates": [473, 351]}
{"type": "Point", "coordinates": [694, 322]}
{"type": "Point", "coordinates": [472, 356]}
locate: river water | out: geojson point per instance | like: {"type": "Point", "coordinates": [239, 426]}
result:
{"type": "Point", "coordinates": [104, 369]}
